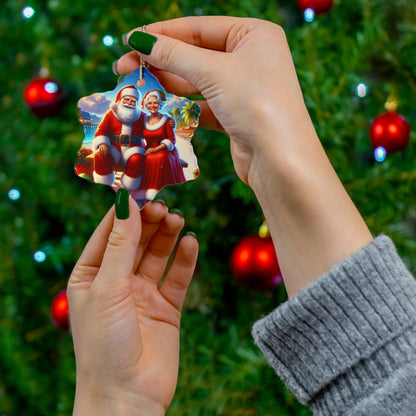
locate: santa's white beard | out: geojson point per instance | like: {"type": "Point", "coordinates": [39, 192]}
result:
{"type": "Point", "coordinates": [126, 114]}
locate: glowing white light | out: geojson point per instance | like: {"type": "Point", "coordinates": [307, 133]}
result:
{"type": "Point", "coordinates": [51, 87]}
{"type": "Point", "coordinates": [28, 12]}
{"type": "Point", "coordinates": [39, 256]}
{"type": "Point", "coordinates": [108, 40]}
{"type": "Point", "coordinates": [361, 90]}
{"type": "Point", "coordinates": [309, 15]}
{"type": "Point", "coordinates": [380, 154]}
{"type": "Point", "coordinates": [14, 194]}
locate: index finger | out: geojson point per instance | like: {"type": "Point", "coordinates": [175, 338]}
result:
{"type": "Point", "coordinates": [210, 32]}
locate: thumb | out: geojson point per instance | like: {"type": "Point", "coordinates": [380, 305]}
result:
{"type": "Point", "coordinates": [188, 61]}
{"type": "Point", "coordinates": [123, 240]}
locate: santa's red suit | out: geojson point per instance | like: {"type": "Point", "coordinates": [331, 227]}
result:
{"type": "Point", "coordinates": [126, 145]}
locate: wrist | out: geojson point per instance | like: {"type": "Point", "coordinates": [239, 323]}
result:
{"type": "Point", "coordinates": [115, 404]}
{"type": "Point", "coordinates": [311, 218]}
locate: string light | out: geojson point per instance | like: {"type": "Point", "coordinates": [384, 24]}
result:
{"type": "Point", "coordinates": [28, 12]}
{"type": "Point", "coordinates": [361, 90]}
{"type": "Point", "coordinates": [51, 87]}
{"type": "Point", "coordinates": [14, 194]}
{"type": "Point", "coordinates": [380, 154]}
{"type": "Point", "coordinates": [309, 15]}
{"type": "Point", "coordinates": [39, 256]}
{"type": "Point", "coordinates": [108, 40]}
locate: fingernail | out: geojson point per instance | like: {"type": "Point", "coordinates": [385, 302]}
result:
{"type": "Point", "coordinates": [192, 234]}
{"type": "Point", "coordinates": [122, 204]}
{"type": "Point", "coordinates": [142, 42]}
{"type": "Point", "coordinates": [114, 68]}
{"type": "Point", "coordinates": [177, 211]}
{"type": "Point", "coordinates": [161, 200]}
{"type": "Point", "coordinates": [124, 39]}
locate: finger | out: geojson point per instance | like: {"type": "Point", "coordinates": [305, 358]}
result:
{"type": "Point", "coordinates": [160, 247]}
{"type": "Point", "coordinates": [177, 281]}
{"type": "Point", "coordinates": [88, 264]}
{"type": "Point", "coordinates": [120, 253]}
{"type": "Point", "coordinates": [207, 119]}
{"type": "Point", "coordinates": [93, 252]}
{"type": "Point", "coordinates": [167, 54]}
{"type": "Point", "coordinates": [172, 83]}
{"type": "Point", "coordinates": [210, 32]}
{"type": "Point", "coordinates": [151, 215]}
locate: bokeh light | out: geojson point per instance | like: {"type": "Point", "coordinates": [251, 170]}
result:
{"type": "Point", "coordinates": [28, 12]}
{"type": "Point", "coordinates": [39, 256]}
{"type": "Point", "coordinates": [14, 194]}
{"type": "Point", "coordinates": [108, 40]}
{"type": "Point", "coordinates": [361, 90]}
{"type": "Point", "coordinates": [380, 154]}
{"type": "Point", "coordinates": [309, 15]}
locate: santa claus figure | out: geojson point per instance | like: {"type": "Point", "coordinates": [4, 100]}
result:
{"type": "Point", "coordinates": [118, 139]}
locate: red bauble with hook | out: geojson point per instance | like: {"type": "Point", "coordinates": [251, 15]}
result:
{"type": "Point", "coordinates": [390, 131]}
{"type": "Point", "coordinates": [44, 97]}
{"type": "Point", "coordinates": [254, 263]}
{"type": "Point", "coordinates": [318, 6]}
{"type": "Point", "coordinates": [60, 310]}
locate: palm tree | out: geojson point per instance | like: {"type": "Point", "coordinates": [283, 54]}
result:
{"type": "Point", "coordinates": [176, 114]}
{"type": "Point", "coordinates": [190, 112]}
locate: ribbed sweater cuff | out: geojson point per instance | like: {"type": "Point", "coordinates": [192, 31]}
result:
{"type": "Point", "coordinates": [351, 320]}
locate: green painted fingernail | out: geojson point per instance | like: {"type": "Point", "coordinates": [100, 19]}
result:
{"type": "Point", "coordinates": [161, 200]}
{"type": "Point", "coordinates": [122, 204]}
{"type": "Point", "coordinates": [142, 42]}
{"type": "Point", "coordinates": [114, 68]}
{"type": "Point", "coordinates": [192, 234]}
{"type": "Point", "coordinates": [177, 211]}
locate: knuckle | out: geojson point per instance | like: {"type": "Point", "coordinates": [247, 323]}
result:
{"type": "Point", "coordinates": [166, 54]}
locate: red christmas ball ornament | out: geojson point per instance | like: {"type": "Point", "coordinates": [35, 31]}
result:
{"type": "Point", "coordinates": [254, 263]}
{"type": "Point", "coordinates": [60, 310]}
{"type": "Point", "coordinates": [318, 6]}
{"type": "Point", "coordinates": [44, 97]}
{"type": "Point", "coordinates": [390, 131]}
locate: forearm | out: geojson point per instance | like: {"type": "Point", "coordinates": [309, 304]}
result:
{"type": "Point", "coordinates": [312, 220]}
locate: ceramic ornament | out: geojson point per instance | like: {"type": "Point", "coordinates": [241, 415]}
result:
{"type": "Point", "coordinates": [137, 137]}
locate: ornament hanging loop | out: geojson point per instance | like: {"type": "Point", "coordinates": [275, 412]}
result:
{"type": "Point", "coordinates": [391, 104]}
{"type": "Point", "coordinates": [141, 81]}
{"type": "Point", "coordinates": [264, 230]}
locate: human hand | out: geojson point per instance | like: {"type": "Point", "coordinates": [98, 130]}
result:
{"type": "Point", "coordinates": [103, 150]}
{"type": "Point", "coordinates": [151, 150]}
{"type": "Point", "coordinates": [124, 319]}
{"type": "Point", "coordinates": [243, 68]}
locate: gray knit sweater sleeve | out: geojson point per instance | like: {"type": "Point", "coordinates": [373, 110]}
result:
{"type": "Point", "coordinates": [346, 345]}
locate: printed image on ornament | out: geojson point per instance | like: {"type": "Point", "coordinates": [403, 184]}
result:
{"type": "Point", "coordinates": [137, 137]}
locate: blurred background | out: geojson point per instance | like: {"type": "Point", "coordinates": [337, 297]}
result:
{"type": "Point", "coordinates": [356, 60]}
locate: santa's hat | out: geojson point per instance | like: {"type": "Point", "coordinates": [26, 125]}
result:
{"type": "Point", "coordinates": [129, 90]}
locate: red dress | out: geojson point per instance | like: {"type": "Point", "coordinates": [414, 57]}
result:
{"type": "Point", "coordinates": [162, 167]}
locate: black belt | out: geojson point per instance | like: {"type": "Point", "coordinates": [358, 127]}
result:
{"type": "Point", "coordinates": [125, 139]}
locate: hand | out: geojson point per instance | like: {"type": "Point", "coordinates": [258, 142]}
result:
{"type": "Point", "coordinates": [244, 69]}
{"type": "Point", "coordinates": [125, 322]}
{"type": "Point", "coordinates": [103, 150]}
{"type": "Point", "coordinates": [151, 150]}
